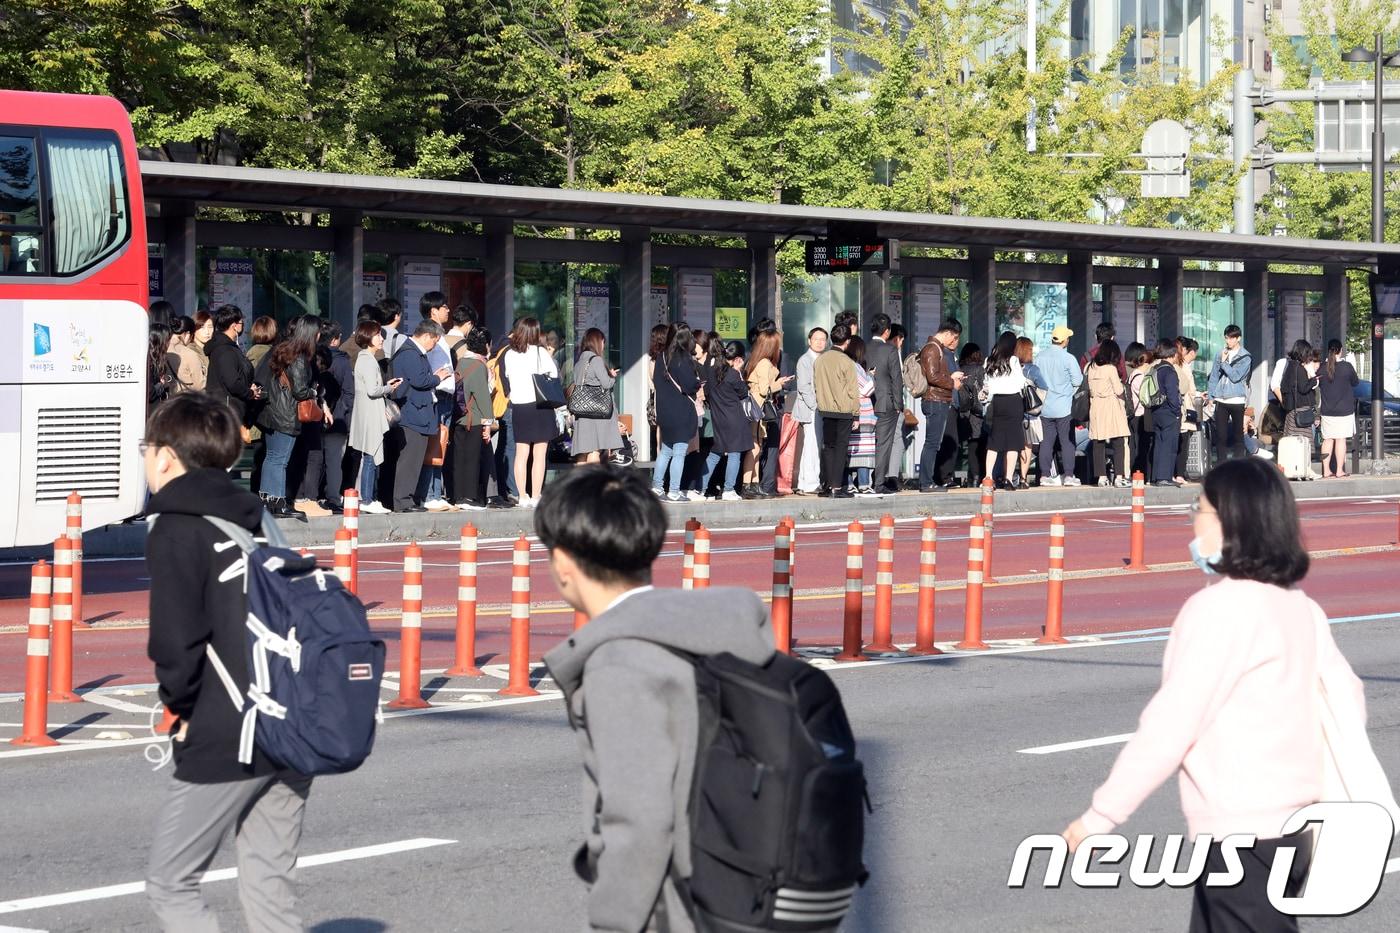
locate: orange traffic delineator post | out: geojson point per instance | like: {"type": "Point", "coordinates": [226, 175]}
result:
{"type": "Point", "coordinates": [61, 644]}
{"type": "Point", "coordinates": [700, 573]}
{"type": "Point", "coordinates": [580, 619]}
{"type": "Point", "coordinates": [36, 664]}
{"type": "Point", "coordinates": [350, 521]}
{"type": "Point", "coordinates": [928, 580]}
{"type": "Point", "coordinates": [74, 530]}
{"type": "Point", "coordinates": [883, 637]}
{"type": "Point", "coordinates": [464, 664]}
{"type": "Point", "coordinates": [855, 593]}
{"type": "Point", "coordinates": [167, 721]}
{"type": "Point", "coordinates": [1137, 550]}
{"type": "Point", "coordinates": [342, 556]}
{"type": "Point", "coordinates": [519, 683]}
{"type": "Point", "coordinates": [1055, 604]}
{"type": "Point", "coordinates": [782, 590]}
{"type": "Point", "coordinates": [972, 617]}
{"type": "Point", "coordinates": [987, 510]}
{"type": "Point", "coordinates": [688, 555]}
{"type": "Point", "coordinates": [411, 639]}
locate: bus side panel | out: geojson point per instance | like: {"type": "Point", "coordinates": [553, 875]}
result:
{"type": "Point", "coordinates": [82, 412]}
{"type": "Point", "coordinates": [9, 458]}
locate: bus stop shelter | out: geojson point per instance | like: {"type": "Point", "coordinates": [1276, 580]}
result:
{"type": "Point", "coordinates": [486, 222]}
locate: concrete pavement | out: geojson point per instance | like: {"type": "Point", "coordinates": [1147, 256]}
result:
{"type": "Point", "coordinates": [466, 820]}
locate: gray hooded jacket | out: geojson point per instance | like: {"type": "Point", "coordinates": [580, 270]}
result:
{"type": "Point", "coordinates": [634, 706]}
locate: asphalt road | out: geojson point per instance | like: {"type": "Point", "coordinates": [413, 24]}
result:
{"type": "Point", "coordinates": [953, 797]}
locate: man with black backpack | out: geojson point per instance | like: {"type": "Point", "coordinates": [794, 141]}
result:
{"type": "Point", "coordinates": [197, 613]}
{"type": "Point", "coordinates": [721, 785]}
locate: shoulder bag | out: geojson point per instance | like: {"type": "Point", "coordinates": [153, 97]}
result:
{"type": "Point", "coordinates": [587, 400]}
{"type": "Point", "coordinates": [699, 405]}
{"type": "Point", "coordinates": [549, 391]}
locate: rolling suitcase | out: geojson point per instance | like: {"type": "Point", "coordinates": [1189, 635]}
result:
{"type": "Point", "coordinates": [1293, 458]}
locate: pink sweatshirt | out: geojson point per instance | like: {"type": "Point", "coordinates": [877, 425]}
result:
{"type": "Point", "coordinates": [1236, 713]}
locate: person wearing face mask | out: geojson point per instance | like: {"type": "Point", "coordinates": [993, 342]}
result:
{"type": "Point", "coordinates": [1237, 713]}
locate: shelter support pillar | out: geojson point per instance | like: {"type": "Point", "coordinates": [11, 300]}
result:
{"type": "Point", "coordinates": [500, 274]}
{"type": "Point", "coordinates": [874, 292]}
{"type": "Point", "coordinates": [636, 333]}
{"type": "Point", "coordinates": [179, 266]}
{"type": "Point", "coordinates": [981, 297]}
{"type": "Point", "coordinates": [1258, 330]}
{"type": "Point", "coordinates": [1336, 304]}
{"type": "Point", "coordinates": [764, 300]}
{"type": "Point", "coordinates": [347, 271]}
{"type": "Point", "coordinates": [1080, 298]}
{"type": "Point", "coordinates": [1170, 292]}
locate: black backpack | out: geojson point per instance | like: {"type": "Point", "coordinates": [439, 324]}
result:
{"type": "Point", "coordinates": [778, 799]}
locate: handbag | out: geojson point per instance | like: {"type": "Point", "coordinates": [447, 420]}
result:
{"type": "Point", "coordinates": [1030, 399]}
{"type": "Point", "coordinates": [392, 411]}
{"type": "Point", "coordinates": [1304, 417]}
{"type": "Point", "coordinates": [769, 411]}
{"type": "Point", "coordinates": [590, 401]}
{"type": "Point", "coordinates": [549, 391]}
{"type": "Point", "coordinates": [752, 412]}
{"type": "Point", "coordinates": [1079, 404]}
{"type": "Point", "coordinates": [309, 411]}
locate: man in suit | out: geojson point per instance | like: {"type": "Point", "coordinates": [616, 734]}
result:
{"type": "Point", "coordinates": [416, 395]}
{"type": "Point", "coordinates": [882, 359]}
{"type": "Point", "coordinates": [631, 701]}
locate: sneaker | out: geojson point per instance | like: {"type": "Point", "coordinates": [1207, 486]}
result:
{"type": "Point", "coordinates": [1123, 482]}
{"type": "Point", "coordinates": [499, 503]}
{"type": "Point", "coordinates": [730, 495]}
{"type": "Point", "coordinates": [1263, 454]}
{"type": "Point", "coordinates": [374, 508]}
{"type": "Point", "coordinates": [1070, 481]}
{"type": "Point", "coordinates": [843, 494]}
{"type": "Point", "coordinates": [868, 492]}
{"type": "Point", "coordinates": [1051, 481]}
{"type": "Point", "coordinates": [437, 505]}
{"type": "Point", "coordinates": [695, 495]}
{"type": "Point", "coordinates": [470, 505]}
{"type": "Point", "coordinates": [311, 508]}
{"type": "Point", "coordinates": [660, 493]}
{"type": "Point", "coordinates": [1103, 481]}
{"type": "Point", "coordinates": [677, 497]}
{"type": "Point", "coordinates": [527, 502]}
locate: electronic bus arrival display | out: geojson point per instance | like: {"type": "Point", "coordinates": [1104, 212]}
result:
{"type": "Point", "coordinates": [827, 256]}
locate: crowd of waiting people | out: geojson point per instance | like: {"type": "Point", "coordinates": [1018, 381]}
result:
{"type": "Point", "coordinates": [442, 416]}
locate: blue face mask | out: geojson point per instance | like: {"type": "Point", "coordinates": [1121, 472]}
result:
{"type": "Point", "coordinates": [1204, 561]}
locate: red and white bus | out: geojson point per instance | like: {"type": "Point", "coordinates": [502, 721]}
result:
{"type": "Point", "coordinates": [73, 321]}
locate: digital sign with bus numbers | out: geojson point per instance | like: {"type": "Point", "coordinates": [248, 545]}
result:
{"type": "Point", "coordinates": [825, 256]}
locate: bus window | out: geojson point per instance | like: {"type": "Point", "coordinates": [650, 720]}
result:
{"type": "Point", "coordinates": [20, 230]}
{"type": "Point", "coordinates": [90, 212]}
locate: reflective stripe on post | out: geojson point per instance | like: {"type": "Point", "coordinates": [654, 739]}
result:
{"type": "Point", "coordinates": [1137, 541]}
{"type": "Point", "coordinates": [74, 531]}
{"type": "Point", "coordinates": [972, 617]}
{"type": "Point", "coordinates": [700, 578]}
{"type": "Point", "coordinates": [519, 683]}
{"type": "Point", "coordinates": [988, 520]}
{"type": "Point", "coordinates": [411, 633]}
{"type": "Point", "coordinates": [928, 579]}
{"type": "Point", "coordinates": [882, 639]}
{"type": "Point", "coordinates": [688, 554]}
{"type": "Point", "coordinates": [61, 645]}
{"type": "Point", "coordinates": [350, 521]}
{"type": "Point", "coordinates": [36, 662]}
{"type": "Point", "coordinates": [1055, 596]}
{"type": "Point", "coordinates": [782, 590]}
{"type": "Point", "coordinates": [855, 593]}
{"type": "Point", "coordinates": [464, 663]}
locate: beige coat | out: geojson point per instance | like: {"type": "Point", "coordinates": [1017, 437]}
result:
{"type": "Point", "coordinates": [193, 373]}
{"type": "Point", "coordinates": [1108, 418]}
{"type": "Point", "coordinates": [1189, 394]}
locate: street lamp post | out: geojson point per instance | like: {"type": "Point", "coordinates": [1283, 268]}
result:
{"type": "Point", "coordinates": [1381, 60]}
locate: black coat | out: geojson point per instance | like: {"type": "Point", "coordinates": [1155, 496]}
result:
{"type": "Point", "coordinates": [1298, 387]}
{"type": "Point", "coordinates": [733, 431]}
{"type": "Point", "coordinates": [230, 374]}
{"type": "Point", "coordinates": [195, 602]}
{"type": "Point", "coordinates": [280, 396]}
{"type": "Point", "coordinates": [339, 390]}
{"type": "Point", "coordinates": [675, 401]}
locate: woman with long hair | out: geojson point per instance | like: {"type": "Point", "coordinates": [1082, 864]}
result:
{"type": "Point", "coordinates": [192, 366]}
{"type": "Point", "coordinates": [660, 339]}
{"type": "Point", "coordinates": [595, 438]}
{"type": "Point", "coordinates": [861, 448]}
{"type": "Point", "coordinates": [765, 384]}
{"type": "Point", "coordinates": [1138, 360]}
{"type": "Point", "coordinates": [1005, 410]}
{"type": "Point", "coordinates": [725, 392]}
{"type": "Point", "coordinates": [676, 386]}
{"type": "Point", "coordinates": [161, 380]}
{"type": "Point", "coordinates": [1337, 381]}
{"type": "Point", "coordinates": [709, 356]}
{"type": "Point", "coordinates": [534, 420]}
{"type": "Point", "coordinates": [1250, 678]}
{"type": "Point", "coordinates": [286, 378]}
{"type": "Point", "coordinates": [1185, 357]}
{"type": "Point", "coordinates": [1035, 431]}
{"type": "Point", "coordinates": [1108, 418]}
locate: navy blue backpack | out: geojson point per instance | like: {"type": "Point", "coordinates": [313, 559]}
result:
{"type": "Point", "coordinates": [313, 665]}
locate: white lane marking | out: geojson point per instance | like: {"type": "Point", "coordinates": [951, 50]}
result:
{"type": "Point", "coordinates": [113, 703]}
{"type": "Point", "coordinates": [222, 874]}
{"type": "Point", "coordinates": [1071, 746]}
{"type": "Point", "coordinates": [21, 930]}
{"type": "Point", "coordinates": [1392, 866]}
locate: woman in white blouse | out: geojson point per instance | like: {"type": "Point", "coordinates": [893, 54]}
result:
{"type": "Point", "coordinates": [533, 419]}
{"type": "Point", "coordinates": [1005, 409]}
